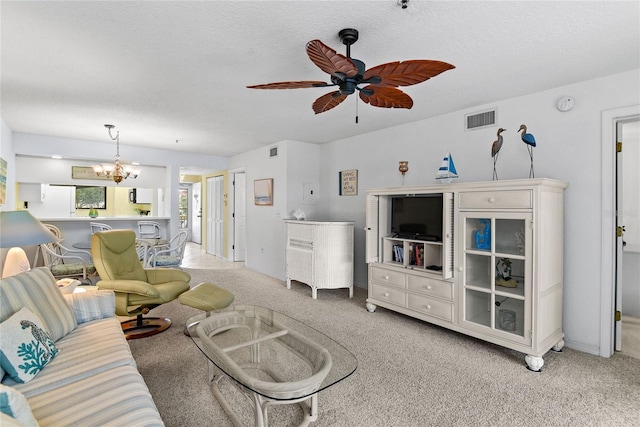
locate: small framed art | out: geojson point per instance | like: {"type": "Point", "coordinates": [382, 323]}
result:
{"type": "Point", "coordinates": [263, 192]}
{"type": "Point", "coordinates": [348, 182]}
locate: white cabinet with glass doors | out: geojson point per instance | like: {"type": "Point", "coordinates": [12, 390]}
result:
{"type": "Point", "coordinates": [509, 265]}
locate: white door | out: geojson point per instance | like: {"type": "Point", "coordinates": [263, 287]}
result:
{"type": "Point", "coordinates": [196, 213]}
{"type": "Point", "coordinates": [239, 217]}
{"type": "Point", "coordinates": [219, 218]}
{"type": "Point", "coordinates": [215, 218]}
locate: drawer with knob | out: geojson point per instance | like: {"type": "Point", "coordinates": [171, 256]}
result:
{"type": "Point", "coordinates": [432, 307]}
{"type": "Point", "coordinates": [388, 277]}
{"type": "Point", "coordinates": [430, 287]}
{"type": "Point", "coordinates": [508, 199]}
{"type": "Point", "coordinates": [387, 294]}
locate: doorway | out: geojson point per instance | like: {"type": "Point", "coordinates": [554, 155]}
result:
{"type": "Point", "coordinates": [613, 284]}
{"type": "Point", "coordinates": [196, 213]}
{"type": "Point", "coordinates": [184, 223]}
{"type": "Point", "coordinates": [627, 331]}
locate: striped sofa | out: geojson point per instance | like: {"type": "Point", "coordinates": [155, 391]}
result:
{"type": "Point", "coordinates": [92, 380]}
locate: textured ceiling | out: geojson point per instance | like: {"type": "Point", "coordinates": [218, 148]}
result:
{"type": "Point", "coordinates": [163, 71]}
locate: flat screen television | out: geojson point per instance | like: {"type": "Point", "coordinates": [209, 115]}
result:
{"type": "Point", "coordinates": [417, 217]}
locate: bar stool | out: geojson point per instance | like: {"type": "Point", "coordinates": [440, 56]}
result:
{"type": "Point", "coordinates": [97, 226]}
{"type": "Point", "coordinates": [149, 230]}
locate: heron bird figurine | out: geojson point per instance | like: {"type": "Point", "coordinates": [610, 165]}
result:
{"type": "Point", "coordinates": [495, 149]}
{"type": "Point", "coordinates": [528, 139]}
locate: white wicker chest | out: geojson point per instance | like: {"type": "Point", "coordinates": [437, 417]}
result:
{"type": "Point", "coordinates": [320, 254]}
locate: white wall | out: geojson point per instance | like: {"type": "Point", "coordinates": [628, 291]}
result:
{"type": "Point", "coordinates": [568, 148]}
{"type": "Point", "coordinates": [58, 171]}
{"type": "Point", "coordinates": [265, 229]}
{"type": "Point", "coordinates": [303, 167]}
{"type": "Point", "coordinates": [297, 163]}
{"type": "Point", "coordinates": [6, 152]}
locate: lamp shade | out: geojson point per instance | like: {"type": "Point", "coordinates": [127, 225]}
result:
{"type": "Point", "coordinates": [20, 228]}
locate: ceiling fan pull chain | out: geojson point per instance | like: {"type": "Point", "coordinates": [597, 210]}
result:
{"type": "Point", "coordinates": [357, 109]}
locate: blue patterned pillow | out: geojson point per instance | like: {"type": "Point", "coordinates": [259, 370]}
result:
{"type": "Point", "coordinates": [25, 346]}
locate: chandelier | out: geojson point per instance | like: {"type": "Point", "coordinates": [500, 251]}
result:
{"type": "Point", "coordinates": [117, 171]}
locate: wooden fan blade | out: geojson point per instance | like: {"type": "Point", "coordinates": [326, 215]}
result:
{"type": "Point", "coordinates": [291, 85]}
{"type": "Point", "coordinates": [330, 61]}
{"type": "Point", "coordinates": [328, 101]}
{"type": "Point", "coordinates": [386, 97]}
{"type": "Point", "coordinates": [407, 73]}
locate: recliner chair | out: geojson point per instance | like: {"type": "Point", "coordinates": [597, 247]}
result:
{"type": "Point", "coordinates": [137, 289]}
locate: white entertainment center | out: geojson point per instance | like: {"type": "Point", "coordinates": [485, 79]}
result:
{"type": "Point", "coordinates": [494, 269]}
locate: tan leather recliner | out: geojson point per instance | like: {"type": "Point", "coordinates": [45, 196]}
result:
{"type": "Point", "coordinates": [137, 289]}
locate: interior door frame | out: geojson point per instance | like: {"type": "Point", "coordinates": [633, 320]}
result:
{"type": "Point", "coordinates": [610, 119]}
{"type": "Point", "coordinates": [230, 226]}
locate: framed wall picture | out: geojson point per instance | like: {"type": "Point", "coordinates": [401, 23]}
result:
{"type": "Point", "coordinates": [263, 192]}
{"type": "Point", "coordinates": [3, 181]}
{"type": "Point", "coordinates": [348, 182]}
{"type": "Point", "coordinates": [86, 172]}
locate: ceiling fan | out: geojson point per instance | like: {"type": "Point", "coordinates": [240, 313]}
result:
{"type": "Point", "coordinates": [349, 74]}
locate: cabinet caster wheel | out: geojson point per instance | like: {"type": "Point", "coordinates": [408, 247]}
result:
{"type": "Point", "coordinates": [534, 363]}
{"type": "Point", "coordinates": [558, 347]}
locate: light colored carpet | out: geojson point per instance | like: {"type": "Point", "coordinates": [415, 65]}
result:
{"type": "Point", "coordinates": [410, 373]}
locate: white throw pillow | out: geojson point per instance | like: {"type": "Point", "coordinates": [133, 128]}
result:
{"type": "Point", "coordinates": [13, 404]}
{"type": "Point", "coordinates": [25, 346]}
{"type": "Point", "coordinates": [67, 286]}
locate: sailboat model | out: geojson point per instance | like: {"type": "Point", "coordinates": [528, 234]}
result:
{"type": "Point", "coordinates": [447, 171]}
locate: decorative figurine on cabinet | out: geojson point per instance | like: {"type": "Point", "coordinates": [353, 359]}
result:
{"type": "Point", "coordinates": [482, 236]}
{"type": "Point", "coordinates": [528, 139]}
{"type": "Point", "coordinates": [495, 149]}
{"type": "Point", "coordinates": [403, 167]}
{"type": "Point", "coordinates": [447, 171]}
{"type": "Point", "coordinates": [503, 274]}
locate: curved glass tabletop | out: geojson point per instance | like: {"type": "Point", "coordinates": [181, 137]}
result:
{"type": "Point", "coordinates": [270, 353]}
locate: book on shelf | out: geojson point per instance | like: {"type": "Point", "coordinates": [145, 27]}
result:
{"type": "Point", "coordinates": [398, 253]}
{"type": "Point", "coordinates": [419, 250]}
{"type": "Point", "coordinates": [413, 260]}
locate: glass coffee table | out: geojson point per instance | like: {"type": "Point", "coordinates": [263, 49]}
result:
{"type": "Point", "coordinates": [270, 357]}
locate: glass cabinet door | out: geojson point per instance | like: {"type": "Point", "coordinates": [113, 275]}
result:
{"type": "Point", "coordinates": [496, 273]}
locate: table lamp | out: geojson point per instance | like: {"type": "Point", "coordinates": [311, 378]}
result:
{"type": "Point", "coordinates": [20, 228]}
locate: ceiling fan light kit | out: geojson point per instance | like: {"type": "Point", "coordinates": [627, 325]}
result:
{"type": "Point", "coordinates": [377, 86]}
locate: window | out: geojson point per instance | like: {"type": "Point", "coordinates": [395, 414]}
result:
{"type": "Point", "coordinates": [91, 197]}
{"type": "Point", "coordinates": [183, 208]}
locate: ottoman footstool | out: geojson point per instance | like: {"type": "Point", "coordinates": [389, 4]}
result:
{"type": "Point", "coordinates": [206, 297]}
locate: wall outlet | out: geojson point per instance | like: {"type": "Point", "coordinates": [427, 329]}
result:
{"type": "Point", "coordinates": [309, 192]}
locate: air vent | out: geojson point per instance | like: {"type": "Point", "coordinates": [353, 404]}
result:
{"type": "Point", "coordinates": [273, 152]}
{"type": "Point", "coordinates": [480, 120]}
